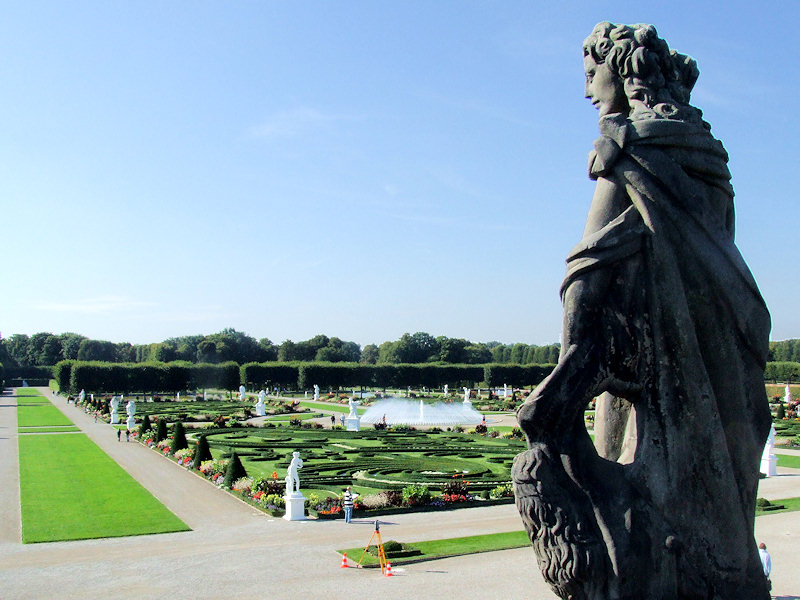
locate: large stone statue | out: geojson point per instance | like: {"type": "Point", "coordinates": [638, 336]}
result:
{"type": "Point", "coordinates": [665, 325]}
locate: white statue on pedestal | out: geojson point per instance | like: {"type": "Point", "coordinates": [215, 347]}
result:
{"type": "Point", "coordinates": [260, 408]}
{"type": "Point", "coordinates": [353, 403]}
{"type": "Point", "coordinates": [787, 394]}
{"type": "Point", "coordinates": [130, 408]}
{"type": "Point", "coordinates": [316, 392]}
{"type": "Point", "coordinates": [505, 391]}
{"type": "Point", "coordinates": [295, 501]}
{"type": "Point", "coordinates": [114, 409]}
{"type": "Point", "coordinates": [242, 391]}
{"type": "Point", "coordinates": [293, 477]}
{"type": "Point", "coordinates": [466, 396]}
{"type": "Point", "coordinates": [769, 461]}
{"type": "Point", "coordinates": [82, 396]}
{"type": "Point", "coordinates": [445, 389]}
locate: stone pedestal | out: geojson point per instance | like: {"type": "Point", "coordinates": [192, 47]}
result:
{"type": "Point", "coordinates": [261, 410]}
{"type": "Point", "coordinates": [295, 510]}
{"type": "Point", "coordinates": [769, 465]}
{"type": "Point", "coordinates": [115, 417]}
{"type": "Point", "coordinates": [130, 423]}
{"type": "Point", "coordinates": [352, 424]}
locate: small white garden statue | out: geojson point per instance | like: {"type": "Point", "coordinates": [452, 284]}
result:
{"type": "Point", "coordinates": [293, 477]}
{"type": "Point", "coordinates": [242, 391]}
{"type": "Point", "coordinates": [787, 394]}
{"type": "Point", "coordinates": [130, 408]}
{"type": "Point", "coordinates": [466, 396]}
{"type": "Point", "coordinates": [446, 389]}
{"type": "Point", "coordinates": [82, 396]}
{"type": "Point", "coordinates": [260, 407]}
{"type": "Point", "coordinates": [353, 404]}
{"type": "Point", "coordinates": [316, 392]}
{"type": "Point", "coordinates": [295, 501]}
{"type": "Point", "coordinates": [114, 410]}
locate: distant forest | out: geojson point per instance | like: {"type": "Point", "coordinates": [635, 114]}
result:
{"type": "Point", "coordinates": [46, 349]}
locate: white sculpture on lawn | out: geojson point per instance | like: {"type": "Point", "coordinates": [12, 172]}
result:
{"type": "Point", "coordinates": [466, 396]}
{"type": "Point", "coordinates": [260, 406]}
{"type": "Point", "coordinates": [82, 396]}
{"type": "Point", "coordinates": [130, 408]}
{"type": "Point", "coordinates": [114, 410]}
{"type": "Point", "coordinates": [242, 391]}
{"type": "Point", "coordinates": [316, 392]}
{"type": "Point", "coordinates": [353, 421]}
{"type": "Point", "coordinates": [295, 501]}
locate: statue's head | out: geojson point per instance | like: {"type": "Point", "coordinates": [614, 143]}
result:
{"type": "Point", "coordinates": [630, 70]}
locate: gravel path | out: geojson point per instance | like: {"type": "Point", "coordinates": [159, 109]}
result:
{"type": "Point", "coordinates": [234, 551]}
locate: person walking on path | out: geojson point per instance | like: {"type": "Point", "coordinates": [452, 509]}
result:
{"type": "Point", "coordinates": [119, 435]}
{"type": "Point", "coordinates": [766, 562]}
{"type": "Point", "coordinates": [333, 421]}
{"type": "Point", "coordinates": [349, 496]}
{"type": "Point", "coordinates": [127, 435]}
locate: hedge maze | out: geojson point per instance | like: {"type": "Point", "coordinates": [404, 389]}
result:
{"type": "Point", "coordinates": [377, 459]}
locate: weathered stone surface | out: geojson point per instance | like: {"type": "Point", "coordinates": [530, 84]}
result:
{"type": "Point", "coordinates": [665, 325]}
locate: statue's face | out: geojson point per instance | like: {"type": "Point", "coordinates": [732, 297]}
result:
{"type": "Point", "coordinates": [604, 88]}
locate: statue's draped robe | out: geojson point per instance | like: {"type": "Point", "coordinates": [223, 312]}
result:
{"type": "Point", "coordinates": [701, 415]}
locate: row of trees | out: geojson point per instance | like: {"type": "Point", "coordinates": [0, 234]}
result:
{"type": "Point", "coordinates": [47, 349]}
{"type": "Point", "coordinates": [99, 377]}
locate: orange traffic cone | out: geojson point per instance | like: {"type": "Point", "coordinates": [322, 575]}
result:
{"type": "Point", "coordinates": [344, 561]}
{"type": "Point", "coordinates": [389, 570]}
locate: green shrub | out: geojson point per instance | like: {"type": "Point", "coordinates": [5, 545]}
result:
{"type": "Point", "coordinates": [234, 471]}
{"type": "Point", "coordinates": [202, 453]}
{"type": "Point", "coordinates": [781, 414]}
{"type": "Point", "coordinates": [161, 430]}
{"type": "Point", "coordinates": [145, 425]}
{"type": "Point", "coordinates": [415, 494]}
{"type": "Point", "coordinates": [178, 438]}
{"type": "Point", "coordinates": [504, 490]}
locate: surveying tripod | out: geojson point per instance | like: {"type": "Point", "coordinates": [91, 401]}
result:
{"type": "Point", "coordinates": [379, 544]}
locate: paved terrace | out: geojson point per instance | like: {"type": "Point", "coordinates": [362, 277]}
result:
{"type": "Point", "coordinates": [237, 552]}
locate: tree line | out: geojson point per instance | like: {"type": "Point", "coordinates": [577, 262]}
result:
{"type": "Point", "coordinates": [47, 349]}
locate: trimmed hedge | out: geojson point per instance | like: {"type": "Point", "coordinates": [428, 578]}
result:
{"type": "Point", "coordinates": [126, 378]}
{"type": "Point", "coordinates": [260, 375]}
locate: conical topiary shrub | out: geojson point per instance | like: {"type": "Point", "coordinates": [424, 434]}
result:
{"type": "Point", "coordinates": [234, 471]}
{"type": "Point", "coordinates": [161, 430]}
{"type": "Point", "coordinates": [145, 425]}
{"type": "Point", "coordinates": [178, 438]}
{"type": "Point", "coordinates": [202, 452]}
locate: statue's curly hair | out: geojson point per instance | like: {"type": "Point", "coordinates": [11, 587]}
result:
{"type": "Point", "coordinates": [657, 81]}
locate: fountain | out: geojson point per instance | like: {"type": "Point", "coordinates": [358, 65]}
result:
{"type": "Point", "coordinates": [401, 411]}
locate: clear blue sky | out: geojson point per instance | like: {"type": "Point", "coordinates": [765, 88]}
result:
{"type": "Point", "coordinates": [358, 169]}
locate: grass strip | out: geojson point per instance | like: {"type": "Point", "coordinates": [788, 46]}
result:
{"type": "Point", "coordinates": [289, 417]}
{"type": "Point", "coordinates": [339, 408]}
{"type": "Point", "coordinates": [64, 429]}
{"type": "Point", "coordinates": [436, 549]}
{"type": "Point", "coordinates": [70, 490]}
{"type": "Point", "coordinates": [40, 415]}
{"type": "Point", "coordinates": [789, 460]}
{"type": "Point", "coordinates": [789, 505]}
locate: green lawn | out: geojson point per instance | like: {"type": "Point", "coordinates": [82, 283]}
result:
{"type": "Point", "coordinates": [789, 505]}
{"type": "Point", "coordinates": [40, 415]}
{"type": "Point", "coordinates": [70, 489]}
{"type": "Point", "coordinates": [339, 408]}
{"type": "Point", "coordinates": [789, 460]}
{"type": "Point", "coordinates": [435, 549]}
{"type": "Point", "coordinates": [64, 429]}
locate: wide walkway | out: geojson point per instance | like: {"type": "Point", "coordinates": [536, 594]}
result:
{"type": "Point", "coordinates": [234, 551]}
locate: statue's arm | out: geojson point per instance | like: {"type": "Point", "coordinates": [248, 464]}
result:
{"type": "Point", "coordinates": [608, 202]}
